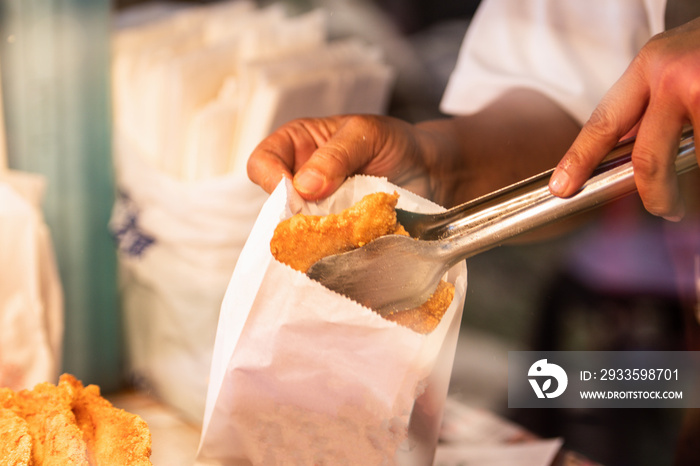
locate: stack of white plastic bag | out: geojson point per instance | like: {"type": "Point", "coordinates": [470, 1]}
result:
{"type": "Point", "coordinates": [303, 375]}
{"type": "Point", "coordinates": [31, 298]}
{"type": "Point", "coordinates": [194, 91]}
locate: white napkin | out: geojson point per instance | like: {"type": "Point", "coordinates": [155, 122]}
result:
{"type": "Point", "coordinates": [169, 74]}
{"type": "Point", "coordinates": [172, 82]}
{"type": "Point", "coordinates": [342, 77]}
{"type": "Point", "coordinates": [302, 375]}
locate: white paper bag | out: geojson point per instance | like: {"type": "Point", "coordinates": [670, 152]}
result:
{"type": "Point", "coordinates": [178, 244]}
{"type": "Point", "coordinates": [31, 298]}
{"type": "Point", "coordinates": [303, 376]}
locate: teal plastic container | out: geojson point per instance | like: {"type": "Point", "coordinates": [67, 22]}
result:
{"type": "Point", "coordinates": [55, 58]}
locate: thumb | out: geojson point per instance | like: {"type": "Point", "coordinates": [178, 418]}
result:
{"type": "Point", "coordinates": [346, 152]}
{"type": "Point", "coordinates": [616, 114]}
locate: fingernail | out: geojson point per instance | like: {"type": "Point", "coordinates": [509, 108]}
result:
{"type": "Point", "coordinates": [559, 182]}
{"type": "Point", "coordinates": [309, 181]}
{"type": "Point", "coordinates": [674, 218]}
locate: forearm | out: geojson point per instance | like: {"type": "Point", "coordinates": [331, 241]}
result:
{"type": "Point", "coordinates": [521, 134]}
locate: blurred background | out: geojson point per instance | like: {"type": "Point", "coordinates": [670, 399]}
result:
{"type": "Point", "coordinates": [126, 109]}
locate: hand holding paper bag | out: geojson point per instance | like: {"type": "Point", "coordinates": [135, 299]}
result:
{"type": "Point", "coordinates": [301, 375]}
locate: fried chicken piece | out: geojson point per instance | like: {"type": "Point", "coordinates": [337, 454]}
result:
{"type": "Point", "coordinates": [68, 424]}
{"type": "Point", "coordinates": [57, 440]}
{"type": "Point", "coordinates": [302, 240]}
{"type": "Point", "coordinates": [7, 398]}
{"type": "Point", "coordinates": [15, 441]}
{"type": "Point", "coordinates": [425, 318]}
{"type": "Point", "coordinates": [113, 435]}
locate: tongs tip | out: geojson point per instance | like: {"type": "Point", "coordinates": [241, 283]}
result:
{"type": "Point", "coordinates": [381, 275]}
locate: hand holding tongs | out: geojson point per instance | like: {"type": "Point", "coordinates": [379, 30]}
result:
{"type": "Point", "coordinates": [397, 272]}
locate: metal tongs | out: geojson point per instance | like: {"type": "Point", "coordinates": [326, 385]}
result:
{"type": "Point", "coordinates": [397, 272]}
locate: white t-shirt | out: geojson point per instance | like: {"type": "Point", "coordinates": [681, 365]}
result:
{"type": "Point", "coordinates": [570, 50]}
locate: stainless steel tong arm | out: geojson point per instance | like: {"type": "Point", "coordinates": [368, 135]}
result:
{"type": "Point", "coordinates": [490, 220]}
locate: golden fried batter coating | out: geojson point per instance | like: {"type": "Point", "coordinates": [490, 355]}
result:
{"type": "Point", "coordinates": [56, 439]}
{"type": "Point", "coordinates": [113, 435]}
{"type": "Point", "coordinates": [68, 424]}
{"type": "Point", "coordinates": [302, 240]}
{"type": "Point", "coordinates": [15, 441]}
{"type": "Point", "coordinates": [425, 318]}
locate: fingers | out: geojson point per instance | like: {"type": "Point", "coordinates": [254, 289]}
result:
{"type": "Point", "coordinates": [653, 160]}
{"type": "Point", "coordinates": [265, 168]}
{"type": "Point", "coordinates": [653, 156]}
{"type": "Point", "coordinates": [273, 158]}
{"type": "Point", "coordinates": [282, 153]}
{"type": "Point", "coordinates": [352, 145]}
{"type": "Point", "coordinates": [329, 164]}
{"type": "Point", "coordinates": [615, 116]}
{"type": "Point", "coordinates": [318, 154]}
{"type": "Point", "coordinates": [659, 92]}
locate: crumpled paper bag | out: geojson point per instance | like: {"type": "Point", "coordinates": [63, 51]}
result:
{"type": "Point", "coordinates": [302, 375]}
{"type": "Point", "coordinates": [31, 294]}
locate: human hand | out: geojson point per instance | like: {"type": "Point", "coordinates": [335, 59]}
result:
{"type": "Point", "coordinates": [318, 154]}
{"type": "Point", "coordinates": [657, 94]}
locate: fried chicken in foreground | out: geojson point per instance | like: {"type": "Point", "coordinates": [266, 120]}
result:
{"type": "Point", "coordinates": [68, 424]}
{"type": "Point", "coordinates": [56, 438]}
{"type": "Point", "coordinates": [302, 240]}
{"type": "Point", "coordinates": [113, 435]}
{"type": "Point", "coordinates": [15, 441]}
